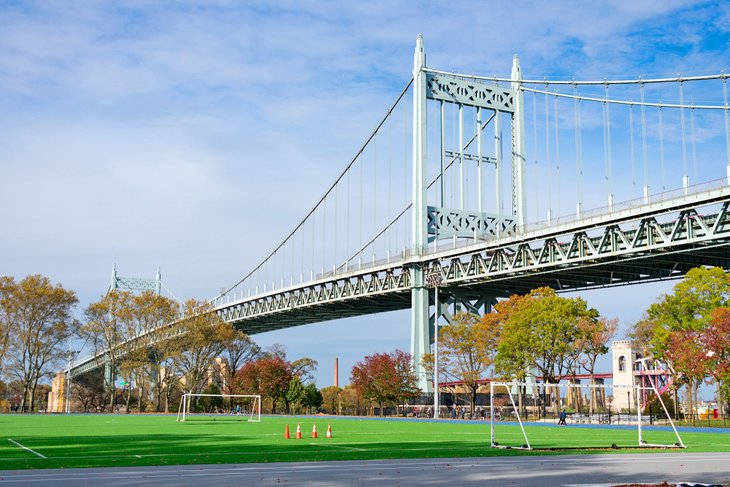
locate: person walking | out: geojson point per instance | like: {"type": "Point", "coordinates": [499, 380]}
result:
{"type": "Point", "coordinates": [562, 417]}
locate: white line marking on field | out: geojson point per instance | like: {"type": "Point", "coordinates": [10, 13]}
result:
{"type": "Point", "coordinates": [25, 448]}
{"type": "Point", "coordinates": [338, 446]}
{"type": "Point", "coordinates": [138, 456]}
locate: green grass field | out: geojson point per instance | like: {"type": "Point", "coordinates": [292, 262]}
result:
{"type": "Point", "coordinates": [59, 441]}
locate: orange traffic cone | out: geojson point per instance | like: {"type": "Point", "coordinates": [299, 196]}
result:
{"type": "Point", "coordinates": [286, 432]}
{"type": "Point", "coordinates": [329, 432]}
{"type": "Point", "coordinates": [314, 431]}
{"type": "Point", "coordinates": [299, 433]}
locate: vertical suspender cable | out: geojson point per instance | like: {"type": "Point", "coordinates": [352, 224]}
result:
{"type": "Point", "coordinates": [633, 151]}
{"type": "Point", "coordinates": [609, 168]}
{"type": "Point", "coordinates": [360, 241]}
{"type": "Point", "coordinates": [557, 160]}
{"type": "Point", "coordinates": [685, 174]}
{"type": "Point", "coordinates": [661, 147]}
{"type": "Point", "coordinates": [644, 151]}
{"type": "Point", "coordinates": [347, 221]}
{"type": "Point", "coordinates": [334, 235]}
{"type": "Point", "coordinates": [694, 146]}
{"type": "Point", "coordinates": [727, 127]}
{"type": "Point", "coordinates": [548, 163]}
{"type": "Point", "coordinates": [578, 148]}
{"type": "Point", "coordinates": [324, 234]}
{"type": "Point", "coordinates": [534, 137]}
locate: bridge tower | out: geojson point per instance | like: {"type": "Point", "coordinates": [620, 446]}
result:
{"type": "Point", "coordinates": [131, 284]}
{"type": "Point", "coordinates": [135, 283]}
{"type": "Point", "coordinates": [432, 223]}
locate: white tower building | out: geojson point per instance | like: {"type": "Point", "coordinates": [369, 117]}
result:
{"type": "Point", "coordinates": [624, 379]}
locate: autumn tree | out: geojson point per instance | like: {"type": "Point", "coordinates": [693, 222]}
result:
{"type": "Point", "coordinates": [592, 342]}
{"type": "Point", "coordinates": [716, 344]}
{"type": "Point", "coordinates": [510, 361]}
{"type": "Point", "coordinates": [239, 350]}
{"type": "Point", "coordinates": [641, 335]}
{"type": "Point", "coordinates": [39, 314]}
{"type": "Point", "coordinates": [7, 284]}
{"type": "Point", "coordinates": [385, 378]}
{"type": "Point", "coordinates": [542, 330]}
{"type": "Point", "coordinates": [170, 372]}
{"type": "Point", "coordinates": [686, 312]}
{"type": "Point", "coordinates": [203, 337]}
{"type": "Point", "coordinates": [689, 306]}
{"type": "Point", "coordinates": [268, 376]}
{"type": "Point", "coordinates": [150, 312]}
{"type": "Point", "coordinates": [106, 329]}
{"type": "Point", "coordinates": [467, 348]}
{"type": "Point", "coordinates": [131, 370]}
{"type": "Point", "coordinates": [304, 368]}
{"type": "Point", "coordinates": [331, 399]}
{"type": "Point", "coordinates": [689, 359]}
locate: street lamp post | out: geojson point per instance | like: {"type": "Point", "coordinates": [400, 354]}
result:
{"type": "Point", "coordinates": [433, 280]}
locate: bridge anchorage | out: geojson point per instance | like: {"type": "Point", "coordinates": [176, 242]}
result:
{"type": "Point", "coordinates": [623, 212]}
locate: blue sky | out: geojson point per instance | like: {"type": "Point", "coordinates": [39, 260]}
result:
{"type": "Point", "coordinates": [191, 135]}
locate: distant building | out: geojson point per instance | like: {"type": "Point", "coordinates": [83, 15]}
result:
{"type": "Point", "coordinates": [625, 379]}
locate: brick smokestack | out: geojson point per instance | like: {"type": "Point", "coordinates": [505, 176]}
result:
{"type": "Point", "coordinates": [337, 373]}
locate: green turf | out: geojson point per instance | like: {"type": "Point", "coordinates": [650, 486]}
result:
{"type": "Point", "coordinates": [134, 440]}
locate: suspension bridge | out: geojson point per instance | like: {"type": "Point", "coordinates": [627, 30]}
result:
{"type": "Point", "coordinates": [481, 187]}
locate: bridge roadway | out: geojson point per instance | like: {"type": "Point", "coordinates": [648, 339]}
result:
{"type": "Point", "coordinates": [629, 243]}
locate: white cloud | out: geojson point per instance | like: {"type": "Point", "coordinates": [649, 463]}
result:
{"type": "Point", "coordinates": [195, 137]}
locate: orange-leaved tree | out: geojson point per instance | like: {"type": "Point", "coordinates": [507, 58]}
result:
{"type": "Point", "coordinates": [385, 378]}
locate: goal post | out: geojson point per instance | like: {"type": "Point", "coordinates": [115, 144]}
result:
{"type": "Point", "coordinates": [250, 405]}
{"type": "Point", "coordinates": [587, 404]}
{"type": "Point", "coordinates": [507, 387]}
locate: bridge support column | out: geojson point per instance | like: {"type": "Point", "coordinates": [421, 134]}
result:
{"type": "Point", "coordinates": [109, 375]}
{"type": "Point", "coordinates": [420, 333]}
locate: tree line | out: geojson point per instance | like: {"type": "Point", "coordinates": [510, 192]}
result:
{"type": "Point", "coordinates": [557, 337]}
{"type": "Point", "coordinates": [155, 349]}
{"type": "Point", "coordinates": [188, 348]}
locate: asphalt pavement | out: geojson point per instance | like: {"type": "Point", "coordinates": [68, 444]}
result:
{"type": "Point", "coordinates": [527, 471]}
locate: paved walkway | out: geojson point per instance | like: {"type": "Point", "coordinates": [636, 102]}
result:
{"type": "Point", "coordinates": [524, 471]}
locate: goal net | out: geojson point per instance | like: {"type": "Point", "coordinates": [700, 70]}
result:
{"type": "Point", "coordinates": [241, 405]}
{"type": "Point", "coordinates": [529, 415]}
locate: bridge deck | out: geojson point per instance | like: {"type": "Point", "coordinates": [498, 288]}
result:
{"type": "Point", "coordinates": [627, 245]}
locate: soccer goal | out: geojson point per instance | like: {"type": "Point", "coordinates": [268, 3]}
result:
{"type": "Point", "coordinates": [576, 404]}
{"type": "Point", "coordinates": [245, 405]}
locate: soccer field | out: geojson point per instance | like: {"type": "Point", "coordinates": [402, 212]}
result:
{"type": "Point", "coordinates": [59, 441]}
